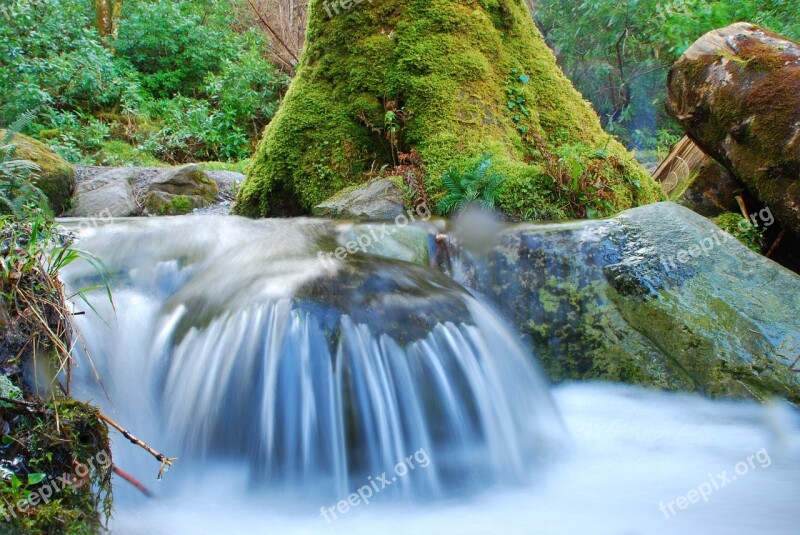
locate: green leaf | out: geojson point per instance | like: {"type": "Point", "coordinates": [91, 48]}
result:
{"type": "Point", "coordinates": [524, 78]}
{"type": "Point", "coordinates": [36, 478]}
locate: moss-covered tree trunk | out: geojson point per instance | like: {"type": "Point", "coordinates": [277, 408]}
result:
{"type": "Point", "coordinates": [452, 79]}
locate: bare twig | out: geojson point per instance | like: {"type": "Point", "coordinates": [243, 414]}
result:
{"type": "Point", "coordinates": [164, 460]}
{"type": "Point", "coordinates": [272, 32]}
{"type": "Point", "coordinates": [776, 244]}
{"type": "Point", "coordinates": [19, 402]}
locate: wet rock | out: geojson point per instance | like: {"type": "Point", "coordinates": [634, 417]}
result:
{"type": "Point", "coordinates": [656, 296]}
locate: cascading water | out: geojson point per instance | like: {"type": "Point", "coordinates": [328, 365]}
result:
{"type": "Point", "coordinates": [235, 340]}
{"type": "Point", "coordinates": [286, 380]}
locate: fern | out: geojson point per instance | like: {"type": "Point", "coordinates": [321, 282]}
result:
{"type": "Point", "coordinates": [478, 186]}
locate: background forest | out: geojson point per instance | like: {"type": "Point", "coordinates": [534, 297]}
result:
{"type": "Point", "coordinates": [143, 82]}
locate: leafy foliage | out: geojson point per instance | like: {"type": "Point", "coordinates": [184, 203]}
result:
{"type": "Point", "coordinates": [181, 81]}
{"type": "Point", "coordinates": [618, 53]}
{"type": "Point", "coordinates": [743, 230]}
{"type": "Point", "coordinates": [476, 186]}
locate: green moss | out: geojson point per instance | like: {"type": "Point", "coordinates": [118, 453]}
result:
{"type": "Point", "coordinates": [206, 189]}
{"type": "Point", "coordinates": [56, 177]}
{"type": "Point", "coordinates": [235, 167]}
{"type": "Point", "coordinates": [442, 68]}
{"type": "Point", "coordinates": [181, 204]}
{"type": "Point", "coordinates": [696, 338]}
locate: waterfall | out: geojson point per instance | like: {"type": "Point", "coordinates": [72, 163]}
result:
{"type": "Point", "coordinates": [236, 340]}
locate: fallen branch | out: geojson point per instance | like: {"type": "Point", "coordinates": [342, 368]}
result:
{"type": "Point", "coordinates": [164, 460]}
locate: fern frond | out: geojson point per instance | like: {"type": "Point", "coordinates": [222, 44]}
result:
{"type": "Point", "coordinates": [17, 126]}
{"type": "Point", "coordinates": [450, 179]}
{"type": "Point", "coordinates": [483, 167]}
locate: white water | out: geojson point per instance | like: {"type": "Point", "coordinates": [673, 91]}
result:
{"type": "Point", "coordinates": [631, 450]}
{"type": "Point", "coordinates": [208, 359]}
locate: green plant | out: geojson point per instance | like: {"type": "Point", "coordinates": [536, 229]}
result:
{"type": "Point", "coordinates": [516, 99]}
{"type": "Point", "coordinates": [77, 138]}
{"type": "Point", "coordinates": [475, 186]}
{"type": "Point", "coordinates": [743, 230]}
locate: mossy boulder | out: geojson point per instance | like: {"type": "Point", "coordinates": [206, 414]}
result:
{"type": "Point", "coordinates": [179, 191]}
{"type": "Point", "coordinates": [657, 296]}
{"type": "Point", "coordinates": [736, 92]}
{"type": "Point", "coordinates": [56, 177]}
{"type": "Point", "coordinates": [454, 80]}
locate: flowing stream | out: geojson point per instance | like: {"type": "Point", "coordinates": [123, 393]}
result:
{"type": "Point", "coordinates": [309, 394]}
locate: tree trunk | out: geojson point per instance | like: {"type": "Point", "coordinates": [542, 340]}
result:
{"type": "Point", "coordinates": [736, 92]}
{"type": "Point", "coordinates": [107, 13]}
{"type": "Point", "coordinates": [452, 79]}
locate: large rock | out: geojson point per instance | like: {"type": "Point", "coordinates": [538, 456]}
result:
{"type": "Point", "coordinates": [109, 194]}
{"type": "Point", "coordinates": [697, 181]}
{"type": "Point", "coordinates": [380, 199]}
{"type": "Point", "coordinates": [56, 177]}
{"type": "Point", "coordinates": [736, 92]}
{"type": "Point", "coordinates": [656, 296]}
{"type": "Point", "coordinates": [180, 190]}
